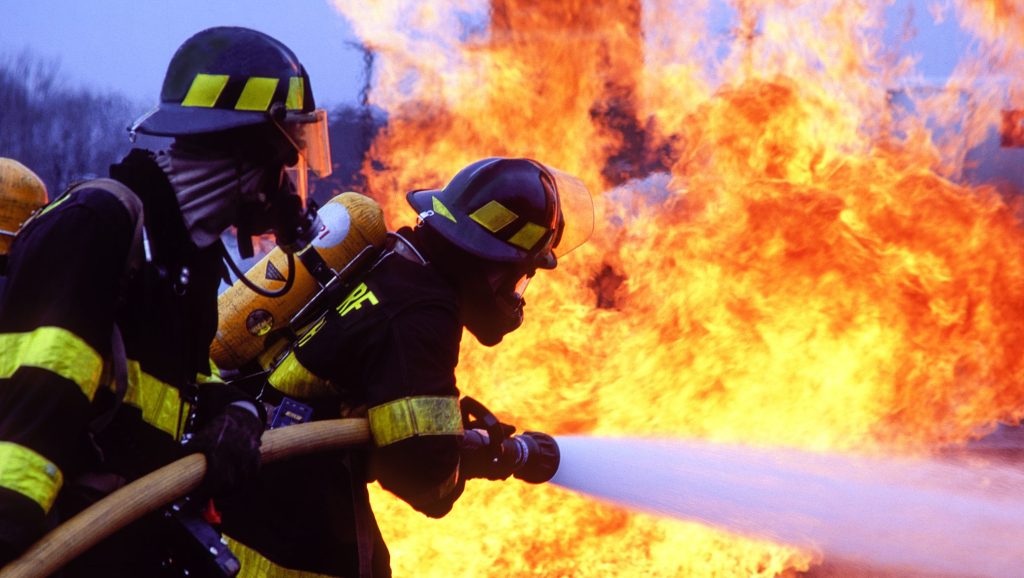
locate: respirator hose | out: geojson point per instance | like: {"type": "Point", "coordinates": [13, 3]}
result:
{"type": "Point", "coordinates": [289, 281]}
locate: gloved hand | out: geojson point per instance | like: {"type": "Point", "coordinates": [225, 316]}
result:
{"type": "Point", "coordinates": [479, 459]}
{"type": "Point", "coordinates": [231, 442]}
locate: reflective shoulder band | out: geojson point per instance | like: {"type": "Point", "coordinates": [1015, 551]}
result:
{"type": "Point", "coordinates": [293, 379]}
{"type": "Point", "coordinates": [54, 349]}
{"type": "Point", "coordinates": [29, 474]}
{"type": "Point", "coordinates": [414, 416]}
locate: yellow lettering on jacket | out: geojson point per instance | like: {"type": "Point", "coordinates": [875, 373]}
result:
{"type": "Point", "coordinates": [356, 298]}
{"type": "Point", "coordinates": [312, 331]}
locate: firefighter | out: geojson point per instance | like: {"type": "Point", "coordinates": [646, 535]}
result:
{"type": "Point", "coordinates": [111, 300]}
{"type": "Point", "coordinates": [389, 350]}
{"type": "Point", "coordinates": [21, 193]}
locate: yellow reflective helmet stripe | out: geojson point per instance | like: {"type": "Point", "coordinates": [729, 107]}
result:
{"type": "Point", "coordinates": [160, 403]}
{"type": "Point", "coordinates": [493, 216]}
{"type": "Point", "coordinates": [293, 379]}
{"type": "Point", "coordinates": [527, 237]}
{"type": "Point", "coordinates": [254, 565]}
{"type": "Point", "coordinates": [29, 474]}
{"type": "Point", "coordinates": [442, 210]}
{"type": "Point", "coordinates": [205, 90]}
{"type": "Point", "coordinates": [296, 93]}
{"type": "Point", "coordinates": [414, 416]}
{"type": "Point", "coordinates": [54, 349]}
{"type": "Point", "coordinates": [257, 94]}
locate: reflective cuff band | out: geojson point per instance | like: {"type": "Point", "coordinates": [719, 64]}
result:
{"type": "Point", "coordinates": [56, 350]}
{"type": "Point", "coordinates": [161, 403]}
{"type": "Point", "coordinates": [294, 380]}
{"type": "Point", "coordinates": [29, 474]}
{"type": "Point", "coordinates": [414, 416]}
{"type": "Point", "coordinates": [254, 565]}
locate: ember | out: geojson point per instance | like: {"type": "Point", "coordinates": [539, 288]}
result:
{"type": "Point", "coordinates": [779, 258]}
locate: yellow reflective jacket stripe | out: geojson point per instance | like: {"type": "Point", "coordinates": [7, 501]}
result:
{"type": "Point", "coordinates": [29, 474]}
{"type": "Point", "coordinates": [59, 351]}
{"type": "Point", "coordinates": [293, 379]}
{"type": "Point", "coordinates": [54, 349]}
{"type": "Point", "coordinates": [414, 416]}
{"type": "Point", "coordinates": [254, 565]}
{"type": "Point", "coordinates": [161, 403]}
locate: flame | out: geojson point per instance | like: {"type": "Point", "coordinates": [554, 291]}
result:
{"type": "Point", "coordinates": [784, 254]}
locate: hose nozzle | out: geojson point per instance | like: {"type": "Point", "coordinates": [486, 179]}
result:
{"type": "Point", "coordinates": [538, 455]}
{"type": "Point", "coordinates": [531, 456]}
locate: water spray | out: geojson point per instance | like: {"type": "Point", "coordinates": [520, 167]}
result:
{"type": "Point", "coordinates": [940, 517]}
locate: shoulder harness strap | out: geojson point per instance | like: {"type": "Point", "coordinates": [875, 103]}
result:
{"type": "Point", "coordinates": [119, 358]}
{"type": "Point", "coordinates": [132, 203]}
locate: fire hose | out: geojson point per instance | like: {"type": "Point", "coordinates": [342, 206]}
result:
{"type": "Point", "coordinates": [165, 485]}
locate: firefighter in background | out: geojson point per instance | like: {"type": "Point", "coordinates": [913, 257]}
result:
{"type": "Point", "coordinates": [105, 326]}
{"type": "Point", "coordinates": [389, 349]}
{"type": "Point", "coordinates": [21, 193]}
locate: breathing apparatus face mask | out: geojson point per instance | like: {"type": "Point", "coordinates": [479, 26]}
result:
{"type": "Point", "coordinates": [506, 283]}
{"type": "Point", "coordinates": [301, 144]}
{"type": "Point", "coordinates": [269, 209]}
{"type": "Point", "coordinates": [493, 302]}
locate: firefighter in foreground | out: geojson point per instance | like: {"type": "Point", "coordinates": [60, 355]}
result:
{"type": "Point", "coordinates": [111, 298]}
{"type": "Point", "coordinates": [388, 350]}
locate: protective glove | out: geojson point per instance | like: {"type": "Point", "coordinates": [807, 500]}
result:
{"type": "Point", "coordinates": [478, 458]}
{"type": "Point", "coordinates": [230, 441]}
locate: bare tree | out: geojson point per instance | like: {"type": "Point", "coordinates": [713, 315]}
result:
{"type": "Point", "coordinates": [63, 134]}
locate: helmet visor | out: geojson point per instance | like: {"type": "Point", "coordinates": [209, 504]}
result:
{"type": "Point", "coordinates": [308, 132]}
{"type": "Point", "coordinates": [577, 209]}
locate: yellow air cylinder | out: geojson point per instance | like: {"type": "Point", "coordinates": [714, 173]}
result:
{"type": "Point", "coordinates": [21, 192]}
{"type": "Point", "coordinates": [351, 222]}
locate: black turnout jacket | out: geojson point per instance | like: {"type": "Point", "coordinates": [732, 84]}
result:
{"type": "Point", "coordinates": [66, 286]}
{"type": "Point", "coordinates": [390, 346]}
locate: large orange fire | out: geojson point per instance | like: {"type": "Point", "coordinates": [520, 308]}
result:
{"type": "Point", "coordinates": [798, 265]}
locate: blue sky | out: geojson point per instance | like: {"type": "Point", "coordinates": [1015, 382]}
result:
{"type": "Point", "coordinates": [125, 45]}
